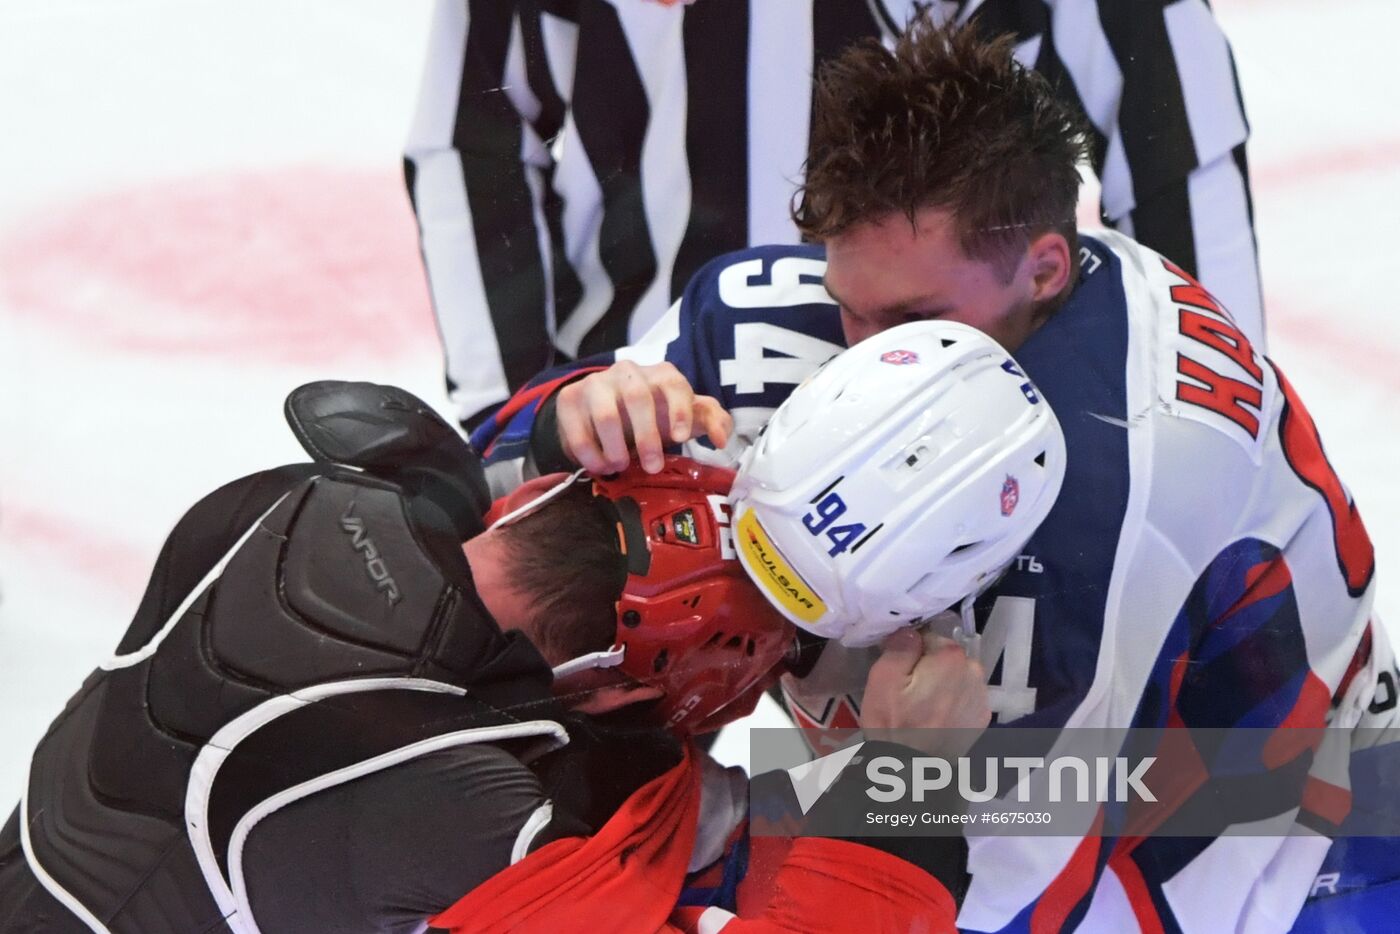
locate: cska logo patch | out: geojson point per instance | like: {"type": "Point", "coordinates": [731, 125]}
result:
{"type": "Point", "coordinates": [899, 357]}
{"type": "Point", "coordinates": [1010, 495]}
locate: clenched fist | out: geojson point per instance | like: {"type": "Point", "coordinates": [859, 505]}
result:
{"type": "Point", "coordinates": [924, 682]}
{"type": "Point", "coordinates": [647, 407]}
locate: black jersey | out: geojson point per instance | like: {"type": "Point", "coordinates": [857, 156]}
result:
{"type": "Point", "coordinates": [305, 628]}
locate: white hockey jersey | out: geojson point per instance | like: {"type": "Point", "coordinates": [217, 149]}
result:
{"type": "Point", "coordinates": [1203, 566]}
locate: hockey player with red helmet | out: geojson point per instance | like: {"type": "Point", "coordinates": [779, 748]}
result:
{"type": "Point", "coordinates": [692, 627]}
{"type": "Point", "coordinates": [329, 715]}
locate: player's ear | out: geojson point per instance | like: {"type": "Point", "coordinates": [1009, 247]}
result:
{"type": "Point", "coordinates": [1051, 266]}
{"type": "Point", "coordinates": [615, 697]}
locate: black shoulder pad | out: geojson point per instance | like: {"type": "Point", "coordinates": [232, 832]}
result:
{"type": "Point", "coordinates": [393, 434]}
{"type": "Point", "coordinates": [370, 426]}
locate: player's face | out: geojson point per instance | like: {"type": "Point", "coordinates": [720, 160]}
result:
{"type": "Point", "coordinates": [888, 272]}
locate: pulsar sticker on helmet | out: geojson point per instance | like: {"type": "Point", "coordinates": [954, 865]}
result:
{"type": "Point", "coordinates": [899, 357]}
{"type": "Point", "coordinates": [773, 573]}
{"type": "Point", "coordinates": [1010, 495]}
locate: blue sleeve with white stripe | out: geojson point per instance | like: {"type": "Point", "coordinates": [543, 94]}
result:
{"type": "Point", "coordinates": [749, 327]}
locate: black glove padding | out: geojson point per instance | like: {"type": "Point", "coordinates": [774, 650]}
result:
{"type": "Point", "coordinates": [393, 434]}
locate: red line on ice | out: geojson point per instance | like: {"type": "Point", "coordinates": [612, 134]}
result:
{"type": "Point", "coordinates": [305, 265]}
{"type": "Point", "coordinates": [1359, 352]}
{"type": "Point", "coordinates": [1306, 168]}
{"type": "Point", "coordinates": [96, 557]}
{"type": "Point", "coordinates": [1363, 354]}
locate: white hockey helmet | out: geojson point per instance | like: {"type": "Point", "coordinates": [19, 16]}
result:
{"type": "Point", "coordinates": [903, 476]}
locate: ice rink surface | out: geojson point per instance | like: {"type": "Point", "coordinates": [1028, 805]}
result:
{"type": "Point", "coordinates": [201, 208]}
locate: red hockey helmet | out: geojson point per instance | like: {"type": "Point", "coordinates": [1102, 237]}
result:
{"type": "Point", "coordinates": [689, 621]}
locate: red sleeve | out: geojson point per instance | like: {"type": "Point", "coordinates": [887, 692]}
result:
{"type": "Point", "coordinates": [810, 885]}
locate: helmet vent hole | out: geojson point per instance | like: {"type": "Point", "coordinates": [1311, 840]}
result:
{"type": "Point", "coordinates": [963, 547]}
{"type": "Point", "coordinates": [948, 341]}
{"type": "Point", "coordinates": [693, 602]}
{"type": "Point", "coordinates": [749, 648]}
{"type": "Point", "coordinates": [734, 642]}
{"type": "Point", "coordinates": [714, 640]}
{"type": "Point", "coordinates": [631, 619]}
{"type": "Point", "coordinates": [1040, 459]}
{"type": "Point", "coordinates": [660, 662]}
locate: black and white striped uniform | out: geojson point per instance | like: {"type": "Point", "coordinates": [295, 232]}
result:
{"type": "Point", "coordinates": [573, 162]}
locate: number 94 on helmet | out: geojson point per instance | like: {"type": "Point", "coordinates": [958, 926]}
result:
{"type": "Point", "coordinates": [902, 477]}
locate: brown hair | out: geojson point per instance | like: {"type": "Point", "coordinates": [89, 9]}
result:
{"type": "Point", "coordinates": [566, 557]}
{"type": "Point", "coordinates": [945, 120]}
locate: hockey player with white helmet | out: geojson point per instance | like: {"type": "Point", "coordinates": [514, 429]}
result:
{"type": "Point", "coordinates": [1202, 566]}
{"type": "Point", "coordinates": [937, 461]}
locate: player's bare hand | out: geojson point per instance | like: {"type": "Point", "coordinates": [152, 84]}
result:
{"type": "Point", "coordinates": [606, 415]}
{"type": "Point", "coordinates": [923, 683]}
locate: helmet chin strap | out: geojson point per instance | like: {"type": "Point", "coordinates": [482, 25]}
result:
{"type": "Point", "coordinates": [610, 658]}
{"type": "Point", "coordinates": [966, 634]}
{"type": "Point", "coordinates": [520, 512]}
{"type": "Point", "coordinates": [581, 678]}
{"type": "Point", "coordinates": [593, 661]}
